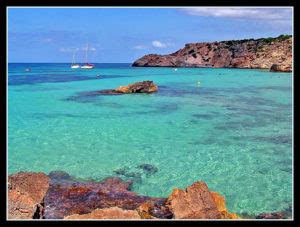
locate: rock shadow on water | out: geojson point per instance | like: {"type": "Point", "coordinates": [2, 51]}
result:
{"type": "Point", "coordinates": [45, 78]}
{"type": "Point", "coordinates": [165, 108]}
{"type": "Point", "coordinates": [135, 175]}
{"type": "Point", "coordinates": [58, 115]}
{"type": "Point", "coordinates": [276, 139]}
{"type": "Point", "coordinates": [207, 116]}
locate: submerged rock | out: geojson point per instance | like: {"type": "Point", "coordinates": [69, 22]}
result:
{"type": "Point", "coordinates": [148, 168]}
{"type": "Point", "coordinates": [138, 87]}
{"type": "Point", "coordinates": [26, 191]}
{"type": "Point", "coordinates": [274, 215]}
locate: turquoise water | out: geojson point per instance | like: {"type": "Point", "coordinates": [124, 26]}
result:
{"type": "Point", "coordinates": [234, 131]}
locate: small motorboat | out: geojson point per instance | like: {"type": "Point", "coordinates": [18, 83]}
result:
{"type": "Point", "coordinates": [27, 69]}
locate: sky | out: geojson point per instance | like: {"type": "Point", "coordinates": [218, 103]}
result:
{"type": "Point", "coordinates": [122, 35]}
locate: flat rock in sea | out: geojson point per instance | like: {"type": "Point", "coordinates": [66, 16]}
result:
{"type": "Point", "coordinates": [26, 191]}
{"type": "Point", "coordinates": [138, 87]}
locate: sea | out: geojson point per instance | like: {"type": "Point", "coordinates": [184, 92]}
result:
{"type": "Point", "coordinates": [231, 128]}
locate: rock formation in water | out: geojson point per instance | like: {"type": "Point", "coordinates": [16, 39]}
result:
{"type": "Point", "coordinates": [138, 87]}
{"type": "Point", "coordinates": [248, 53]}
{"type": "Point", "coordinates": [32, 196]}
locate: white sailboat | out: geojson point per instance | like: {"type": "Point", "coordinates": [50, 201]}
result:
{"type": "Point", "coordinates": [86, 64]}
{"type": "Point", "coordinates": [74, 65]}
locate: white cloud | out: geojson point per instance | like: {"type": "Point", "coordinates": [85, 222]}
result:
{"type": "Point", "coordinates": [158, 44]}
{"type": "Point", "coordinates": [140, 47]}
{"type": "Point", "coordinates": [241, 12]}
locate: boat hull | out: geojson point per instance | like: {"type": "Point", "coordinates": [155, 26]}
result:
{"type": "Point", "coordinates": [87, 67]}
{"type": "Point", "coordinates": [75, 66]}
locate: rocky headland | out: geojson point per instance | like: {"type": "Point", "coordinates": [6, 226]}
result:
{"type": "Point", "coordinates": [264, 53]}
{"type": "Point", "coordinates": [61, 196]}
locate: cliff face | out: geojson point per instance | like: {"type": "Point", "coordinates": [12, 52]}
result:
{"type": "Point", "coordinates": [250, 53]}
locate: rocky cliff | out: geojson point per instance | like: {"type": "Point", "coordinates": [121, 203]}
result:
{"type": "Point", "coordinates": [248, 53]}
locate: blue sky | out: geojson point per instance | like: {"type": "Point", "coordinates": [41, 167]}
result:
{"type": "Point", "coordinates": [125, 34]}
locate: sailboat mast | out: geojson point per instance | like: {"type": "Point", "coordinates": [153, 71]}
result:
{"type": "Point", "coordinates": [73, 60]}
{"type": "Point", "coordinates": [86, 53]}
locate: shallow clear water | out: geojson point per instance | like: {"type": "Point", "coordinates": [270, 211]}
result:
{"type": "Point", "coordinates": [234, 130]}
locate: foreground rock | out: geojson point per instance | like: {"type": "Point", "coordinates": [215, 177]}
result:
{"type": "Point", "coordinates": [197, 202]}
{"type": "Point", "coordinates": [138, 87]}
{"type": "Point", "coordinates": [107, 213]}
{"type": "Point", "coordinates": [26, 192]}
{"type": "Point", "coordinates": [65, 198]}
{"type": "Point", "coordinates": [249, 53]}
{"type": "Point", "coordinates": [31, 196]}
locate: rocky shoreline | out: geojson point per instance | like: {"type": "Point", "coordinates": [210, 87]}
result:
{"type": "Point", "coordinates": [274, 54]}
{"type": "Point", "coordinates": [60, 196]}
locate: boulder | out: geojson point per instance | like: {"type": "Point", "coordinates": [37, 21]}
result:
{"type": "Point", "coordinates": [195, 202]}
{"type": "Point", "coordinates": [139, 87]}
{"type": "Point", "coordinates": [107, 213]}
{"type": "Point", "coordinates": [281, 68]}
{"type": "Point", "coordinates": [26, 191]}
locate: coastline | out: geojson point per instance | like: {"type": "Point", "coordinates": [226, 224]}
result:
{"type": "Point", "coordinates": [274, 54]}
{"type": "Point", "coordinates": [35, 195]}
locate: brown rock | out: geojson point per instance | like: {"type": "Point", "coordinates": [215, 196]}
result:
{"type": "Point", "coordinates": [26, 191]}
{"type": "Point", "coordinates": [280, 68]}
{"type": "Point", "coordinates": [196, 202]}
{"type": "Point", "coordinates": [153, 209]}
{"type": "Point", "coordinates": [221, 206]}
{"type": "Point", "coordinates": [107, 213]}
{"type": "Point", "coordinates": [75, 197]}
{"type": "Point", "coordinates": [138, 87]}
